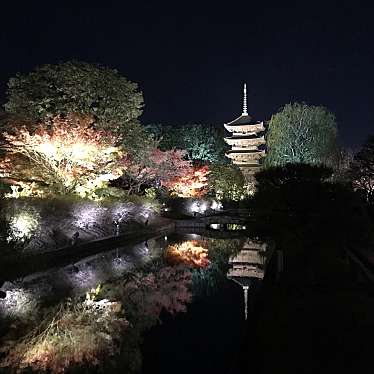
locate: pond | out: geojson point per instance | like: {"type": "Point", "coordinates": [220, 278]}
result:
{"type": "Point", "coordinates": [171, 301]}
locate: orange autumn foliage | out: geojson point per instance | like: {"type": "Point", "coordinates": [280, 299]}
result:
{"type": "Point", "coordinates": [189, 253]}
{"type": "Point", "coordinates": [64, 155]}
{"type": "Point", "coordinates": [193, 184]}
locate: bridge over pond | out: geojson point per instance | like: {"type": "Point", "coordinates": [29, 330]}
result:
{"type": "Point", "coordinates": [231, 220]}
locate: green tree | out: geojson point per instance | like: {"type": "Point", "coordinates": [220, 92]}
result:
{"type": "Point", "coordinates": [77, 87]}
{"type": "Point", "coordinates": [202, 142]}
{"type": "Point", "coordinates": [226, 182]}
{"type": "Point", "coordinates": [302, 133]}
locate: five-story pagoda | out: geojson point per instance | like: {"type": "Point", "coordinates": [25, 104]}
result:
{"type": "Point", "coordinates": [247, 141]}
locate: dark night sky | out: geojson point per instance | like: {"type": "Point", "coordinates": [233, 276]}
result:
{"type": "Point", "coordinates": [190, 60]}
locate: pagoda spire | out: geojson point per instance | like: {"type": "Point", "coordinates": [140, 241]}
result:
{"type": "Point", "coordinates": [245, 113]}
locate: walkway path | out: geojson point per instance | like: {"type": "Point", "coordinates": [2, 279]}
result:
{"type": "Point", "coordinates": [13, 267]}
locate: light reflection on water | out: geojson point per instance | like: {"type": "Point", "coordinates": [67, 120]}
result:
{"type": "Point", "coordinates": [247, 260]}
{"type": "Point", "coordinates": [77, 278]}
{"type": "Point", "coordinates": [192, 253]}
{"type": "Point", "coordinates": [242, 259]}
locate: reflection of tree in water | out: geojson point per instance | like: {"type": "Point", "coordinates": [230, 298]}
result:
{"type": "Point", "coordinates": [139, 297]}
{"type": "Point", "coordinates": [208, 259]}
{"type": "Point", "coordinates": [190, 252]}
{"type": "Point", "coordinates": [206, 281]}
{"type": "Point", "coordinates": [70, 335]}
{"type": "Point", "coordinates": [145, 294]}
{"type": "Point", "coordinates": [133, 304]}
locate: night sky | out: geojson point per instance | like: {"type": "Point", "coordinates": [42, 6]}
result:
{"type": "Point", "coordinates": [190, 61]}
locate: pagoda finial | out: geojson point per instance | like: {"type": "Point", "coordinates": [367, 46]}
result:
{"type": "Point", "coordinates": [245, 113]}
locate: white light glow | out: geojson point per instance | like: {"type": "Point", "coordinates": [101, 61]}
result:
{"type": "Point", "coordinates": [216, 205]}
{"type": "Point", "coordinates": [84, 278]}
{"type": "Point", "coordinates": [18, 303]}
{"type": "Point", "coordinates": [203, 207]}
{"type": "Point", "coordinates": [119, 265]}
{"type": "Point", "coordinates": [86, 215]}
{"type": "Point", "coordinates": [22, 226]}
{"type": "Point", "coordinates": [199, 206]}
{"type": "Point", "coordinates": [194, 207]}
{"type": "Point", "coordinates": [48, 149]}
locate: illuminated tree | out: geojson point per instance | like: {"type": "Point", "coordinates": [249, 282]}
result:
{"type": "Point", "coordinates": [301, 133]}
{"type": "Point", "coordinates": [194, 184]}
{"type": "Point", "coordinates": [77, 87]}
{"type": "Point", "coordinates": [227, 182]}
{"type": "Point", "coordinates": [66, 155]}
{"type": "Point", "coordinates": [202, 142]}
{"type": "Point", "coordinates": [362, 170]}
{"type": "Point", "coordinates": [157, 168]}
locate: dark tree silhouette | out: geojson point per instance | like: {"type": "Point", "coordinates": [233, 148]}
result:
{"type": "Point", "coordinates": [309, 217]}
{"type": "Point", "coordinates": [362, 171]}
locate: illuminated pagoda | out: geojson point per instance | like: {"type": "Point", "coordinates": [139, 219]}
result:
{"type": "Point", "coordinates": [247, 141]}
{"type": "Point", "coordinates": [247, 265]}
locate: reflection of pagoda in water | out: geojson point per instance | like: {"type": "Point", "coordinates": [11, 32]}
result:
{"type": "Point", "coordinates": [247, 265]}
{"type": "Point", "coordinates": [247, 141]}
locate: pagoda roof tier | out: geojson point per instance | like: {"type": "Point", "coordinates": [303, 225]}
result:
{"type": "Point", "coordinates": [247, 256]}
{"type": "Point", "coordinates": [254, 245]}
{"type": "Point", "coordinates": [244, 136]}
{"type": "Point", "coordinates": [243, 119]}
{"type": "Point", "coordinates": [245, 272]}
{"type": "Point", "coordinates": [245, 128]}
{"type": "Point", "coordinates": [244, 151]}
{"type": "Point", "coordinates": [245, 155]}
{"type": "Point", "coordinates": [242, 281]}
{"type": "Point", "coordinates": [249, 169]}
{"type": "Point", "coordinates": [247, 162]}
{"type": "Point", "coordinates": [245, 141]}
{"type": "Point", "coordinates": [245, 148]}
